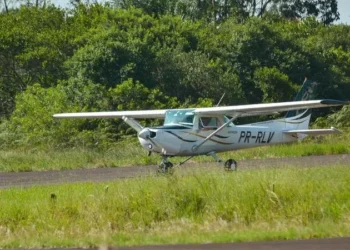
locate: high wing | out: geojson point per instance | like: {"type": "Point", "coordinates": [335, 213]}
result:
{"type": "Point", "coordinates": [140, 114]}
{"type": "Point", "coordinates": [268, 108]}
{"type": "Point", "coordinates": [240, 110]}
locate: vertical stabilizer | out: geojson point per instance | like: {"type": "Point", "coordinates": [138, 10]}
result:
{"type": "Point", "coordinates": [300, 119]}
{"type": "Point", "coordinates": [307, 92]}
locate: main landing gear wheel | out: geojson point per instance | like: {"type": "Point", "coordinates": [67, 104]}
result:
{"type": "Point", "coordinates": [230, 165]}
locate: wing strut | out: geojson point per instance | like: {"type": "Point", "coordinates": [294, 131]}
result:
{"type": "Point", "coordinates": [195, 147]}
{"type": "Point", "coordinates": [133, 123]}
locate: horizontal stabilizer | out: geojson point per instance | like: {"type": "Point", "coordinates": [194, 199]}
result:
{"type": "Point", "coordinates": [313, 131]}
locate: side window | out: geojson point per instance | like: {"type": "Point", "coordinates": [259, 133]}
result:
{"type": "Point", "coordinates": [226, 119]}
{"type": "Point", "coordinates": [209, 123]}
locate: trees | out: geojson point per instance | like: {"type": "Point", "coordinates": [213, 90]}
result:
{"type": "Point", "coordinates": [276, 86]}
{"type": "Point", "coordinates": [183, 53]}
{"type": "Point", "coordinates": [217, 11]}
{"type": "Point", "coordinates": [33, 47]}
{"type": "Point", "coordinates": [326, 10]}
{"type": "Point", "coordinates": [31, 122]}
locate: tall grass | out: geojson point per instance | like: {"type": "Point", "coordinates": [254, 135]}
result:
{"type": "Point", "coordinates": [197, 207]}
{"type": "Point", "coordinates": [39, 159]}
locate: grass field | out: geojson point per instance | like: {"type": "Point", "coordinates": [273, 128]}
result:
{"type": "Point", "coordinates": [129, 152]}
{"type": "Point", "coordinates": [199, 207]}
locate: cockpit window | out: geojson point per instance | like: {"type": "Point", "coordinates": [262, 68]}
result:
{"type": "Point", "coordinates": [179, 117]}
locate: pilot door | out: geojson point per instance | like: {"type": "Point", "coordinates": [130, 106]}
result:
{"type": "Point", "coordinates": [206, 125]}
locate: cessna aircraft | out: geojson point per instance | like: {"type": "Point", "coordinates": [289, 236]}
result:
{"type": "Point", "coordinates": [207, 131]}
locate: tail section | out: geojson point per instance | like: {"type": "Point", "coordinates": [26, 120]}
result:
{"type": "Point", "coordinates": [297, 121]}
{"type": "Point", "coordinates": [307, 92]}
{"type": "Point", "coordinates": [300, 119]}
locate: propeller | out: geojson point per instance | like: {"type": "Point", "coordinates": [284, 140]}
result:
{"type": "Point", "coordinates": [145, 134]}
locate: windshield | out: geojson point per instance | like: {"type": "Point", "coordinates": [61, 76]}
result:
{"type": "Point", "coordinates": [179, 117]}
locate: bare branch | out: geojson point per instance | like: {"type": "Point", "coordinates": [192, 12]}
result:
{"type": "Point", "coordinates": [263, 7]}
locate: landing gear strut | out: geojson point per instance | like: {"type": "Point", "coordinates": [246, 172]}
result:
{"type": "Point", "coordinates": [165, 167]}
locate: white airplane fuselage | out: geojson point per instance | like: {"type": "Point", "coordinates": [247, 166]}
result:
{"type": "Point", "coordinates": [182, 141]}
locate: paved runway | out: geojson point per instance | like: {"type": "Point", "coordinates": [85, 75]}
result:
{"type": "Point", "coordinates": [25, 179]}
{"type": "Point", "coordinates": [313, 244]}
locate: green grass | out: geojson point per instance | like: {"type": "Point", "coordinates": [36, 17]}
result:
{"type": "Point", "coordinates": [199, 207]}
{"type": "Point", "coordinates": [129, 153]}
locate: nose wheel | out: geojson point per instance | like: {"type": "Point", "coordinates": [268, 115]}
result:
{"type": "Point", "coordinates": [166, 167]}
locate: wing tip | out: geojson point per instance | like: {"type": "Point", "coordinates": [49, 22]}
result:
{"type": "Point", "coordinates": [334, 102]}
{"type": "Point", "coordinates": [336, 131]}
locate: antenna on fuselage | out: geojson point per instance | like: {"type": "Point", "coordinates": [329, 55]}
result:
{"type": "Point", "coordinates": [220, 99]}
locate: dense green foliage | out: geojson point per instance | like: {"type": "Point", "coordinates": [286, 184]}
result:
{"type": "Point", "coordinates": [160, 54]}
{"type": "Point", "coordinates": [201, 206]}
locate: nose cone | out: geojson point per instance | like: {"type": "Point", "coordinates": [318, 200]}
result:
{"type": "Point", "coordinates": [148, 139]}
{"type": "Point", "coordinates": [145, 134]}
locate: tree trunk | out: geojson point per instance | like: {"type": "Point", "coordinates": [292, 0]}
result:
{"type": "Point", "coordinates": [6, 7]}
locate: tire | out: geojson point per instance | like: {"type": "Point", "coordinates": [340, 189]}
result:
{"type": "Point", "coordinates": [165, 168]}
{"type": "Point", "coordinates": [230, 165]}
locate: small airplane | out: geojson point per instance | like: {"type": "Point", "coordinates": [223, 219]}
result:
{"type": "Point", "coordinates": [207, 131]}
